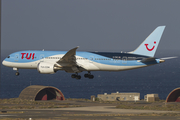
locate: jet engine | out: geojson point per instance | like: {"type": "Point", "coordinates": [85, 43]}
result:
{"type": "Point", "coordinates": [46, 68]}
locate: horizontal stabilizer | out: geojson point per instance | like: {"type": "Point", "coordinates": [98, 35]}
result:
{"type": "Point", "coordinates": [148, 59]}
{"type": "Point", "coordinates": [166, 58]}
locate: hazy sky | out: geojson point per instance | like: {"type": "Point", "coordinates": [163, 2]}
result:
{"type": "Point", "coordinates": [94, 25]}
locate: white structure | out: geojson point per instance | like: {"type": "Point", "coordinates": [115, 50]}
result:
{"type": "Point", "coordinates": [151, 97]}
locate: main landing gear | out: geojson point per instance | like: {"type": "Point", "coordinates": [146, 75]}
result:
{"type": "Point", "coordinates": [89, 75]}
{"type": "Point", "coordinates": [78, 77]}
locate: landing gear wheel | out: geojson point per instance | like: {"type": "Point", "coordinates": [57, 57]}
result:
{"type": "Point", "coordinates": [88, 75]}
{"type": "Point", "coordinates": [78, 77]}
{"type": "Point", "coordinates": [91, 76]}
{"type": "Point", "coordinates": [17, 73]}
{"type": "Point", "coordinates": [73, 75]}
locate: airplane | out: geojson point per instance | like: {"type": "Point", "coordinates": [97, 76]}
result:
{"type": "Point", "coordinates": [73, 61]}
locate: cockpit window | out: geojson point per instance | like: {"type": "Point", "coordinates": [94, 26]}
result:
{"type": "Point", "coordinates": [8, 57]}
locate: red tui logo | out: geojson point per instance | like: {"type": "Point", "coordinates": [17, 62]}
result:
{"type": "Point", "coordinates": [149, 48]}
{"type": "Point", "coordinates": [26, 56]}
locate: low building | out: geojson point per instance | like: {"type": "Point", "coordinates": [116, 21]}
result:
{"type": "Point", "coordinates": [93, 98]}
{"type": "Point", "coordinates": [151, 97]}
{"type": "Point", "coordinates": [119, 96]}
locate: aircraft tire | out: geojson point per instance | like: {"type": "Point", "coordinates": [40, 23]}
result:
{"type": "Point", "coordinates": [17, 73]}
{"type": "Point", "coordinates": [73, 76]}
{"type": "Point", "coordinates": [91, 76]}
{"type": "Point", "coordinates": [78, 77]}
{"type": "Point", "coordinates": [86, 75]}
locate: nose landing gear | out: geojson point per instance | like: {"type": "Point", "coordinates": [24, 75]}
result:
{"type": "Point", "coordinates": [17, 73]}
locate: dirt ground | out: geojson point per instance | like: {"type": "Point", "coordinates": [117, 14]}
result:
{"type": "Point", "coordinates": [83, 109]}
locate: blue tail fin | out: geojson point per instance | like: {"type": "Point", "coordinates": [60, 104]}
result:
{"type": "Point", "coordinates": [149, 45]}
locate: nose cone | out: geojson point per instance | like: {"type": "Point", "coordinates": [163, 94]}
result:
{"type": "Point", "coordinates": [4, 63]}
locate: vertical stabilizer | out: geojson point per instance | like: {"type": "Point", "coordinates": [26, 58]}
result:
{"type": "Point", "coordinates": [149, 45]}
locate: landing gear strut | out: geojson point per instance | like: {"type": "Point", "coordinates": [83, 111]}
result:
{"type": "Point", "coordinates": [17, 73]}
{"type": "Point", "coordinates": [78, 77]}
{"type": "Point", "coordinates": [89, 75]}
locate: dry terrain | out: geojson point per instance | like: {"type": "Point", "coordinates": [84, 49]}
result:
{"type": "Point", "coordinates": [18, 109]}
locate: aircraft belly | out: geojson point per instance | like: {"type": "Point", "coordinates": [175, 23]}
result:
{"type": "Point", "coordinates": [105, 67]}
{"type": "Point", "coordinates": [121, 68]}
{"type": "Point", "coordinates": [30, 65]}
{"type": "Point", "coordinates": [90, 67]}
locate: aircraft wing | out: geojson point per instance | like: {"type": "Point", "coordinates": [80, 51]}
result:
{"type": "Point", "coordinates": [69, 57]}
{"type": "Point", "coordinates": [68, 61]}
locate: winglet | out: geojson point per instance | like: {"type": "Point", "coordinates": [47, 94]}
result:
{"type": "Point", "coordinates": [149, 46]}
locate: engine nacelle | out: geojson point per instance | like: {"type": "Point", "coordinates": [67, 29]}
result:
{"type": "Point", "coordinates": [46, 68]}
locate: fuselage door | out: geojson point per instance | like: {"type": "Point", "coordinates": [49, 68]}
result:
{"type": "Point", "coordinates": [16, 57]}
{"type": "Point", "coordinates": [42, 57]}
{"type": "Point", "coordinates": [124, 60]}
{"type": "Point", "coordinates": [91, 58]}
